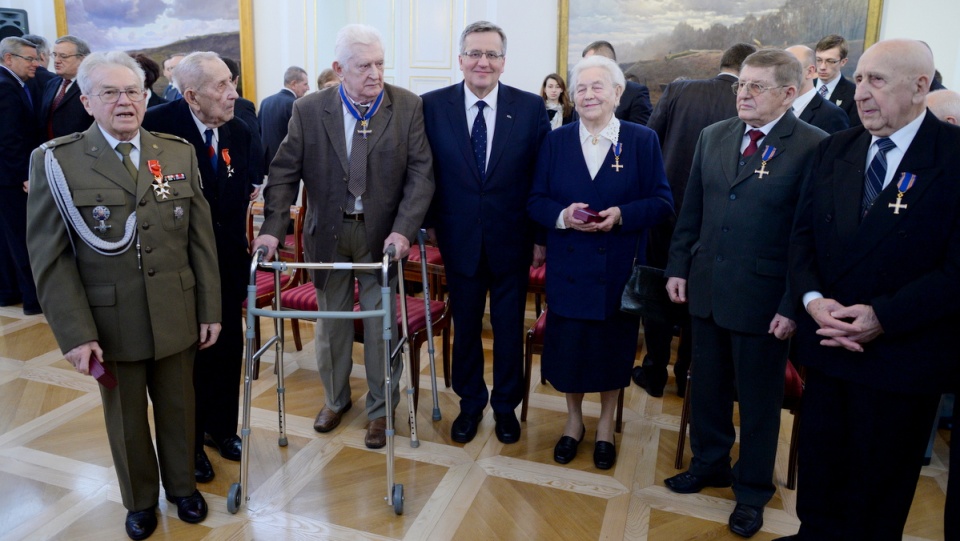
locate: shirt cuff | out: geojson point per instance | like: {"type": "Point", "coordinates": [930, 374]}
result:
{"type": "Point", "coordinates": [560, 223]}
{"type": "Point", "coordinates": [811, 296]}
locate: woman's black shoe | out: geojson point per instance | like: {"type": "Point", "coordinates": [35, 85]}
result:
{"type": "Point", "coordinates": [566, 448]}
{"type": "Point", "coordinates": [604, 455]}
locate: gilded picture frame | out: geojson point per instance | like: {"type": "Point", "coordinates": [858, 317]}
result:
{"type": "Point", "coordinates": [194, 29]}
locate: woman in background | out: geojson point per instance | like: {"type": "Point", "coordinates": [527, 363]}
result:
{"type": "Point", "coordinates": [554, 93]}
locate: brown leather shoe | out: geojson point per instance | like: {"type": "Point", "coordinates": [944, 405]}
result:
{"type": "Point", "coordinates": [328, 419]}
{"type": "Point", "coordinates": [376, 433]}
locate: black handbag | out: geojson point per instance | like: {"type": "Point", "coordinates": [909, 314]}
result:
{"type": "Point", "coordinates": [645, 295]}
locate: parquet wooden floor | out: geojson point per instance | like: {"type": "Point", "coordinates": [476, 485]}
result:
{"type": "Point", "coordinates": [57, 479]}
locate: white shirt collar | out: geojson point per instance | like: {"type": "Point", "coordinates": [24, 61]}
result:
{"type": "Point", "coordinates": [292, 93]}
{"type": "Point", "coordinates": [802, 101]}
{"type": "Point", "coordinates": [904, 136]}
{"type": "Point", "coordinates": [831, 86]}
{"type": "Point", "coordinates": [471, 99]}
{"type": "Point", "coordinates": [203, 130]}
{"type": "Point", "coordinates": [15, 76]}
{"type": "Point", "coordinates": [610, 132]}
{"type": "Point", "coordinates": [765, 128]}
{"type": "Point", "coordinates": [113, 141]}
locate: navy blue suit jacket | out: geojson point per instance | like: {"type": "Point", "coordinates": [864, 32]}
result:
{"type": "Point", "coordinates": [228, 193]}
{"type": "Point", "coordinates": [587, 271]}
{"type": "Point", "coordinates": [471, 216]}
{"type": "Point", "coordinates": [275, 112]}
{"type": "Point", "coordinates": [70, 116]}
{"type": "Point", "coordinates": [842, 97]}
{"type": "Point", "coordinates": [18, 132]}
{"type": "Point", "coordinates": [906, 266]}
{"type": "Point", "coordinates": [635, 104]}
{"type": "Point", "coordinates": [824, 115]}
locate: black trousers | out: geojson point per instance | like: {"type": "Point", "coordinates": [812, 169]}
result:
{"type": "Point", "coordinates": [951, 513]}
{"type": "Point", "coordinates": [861, 450]}
{"type": "Point", "coordinates": [13, 227]}
{"type": "Point", "coordinates": [216, 377]}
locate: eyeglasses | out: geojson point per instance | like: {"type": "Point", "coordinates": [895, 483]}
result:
{"type": "Point", "coordinates": [63, 56]}
{"type": "Point", "coordinates": [477, 55]}
{"type": "Point", "coordinates": [30, 59]}
{"type": "Point", "coordinates": [755, 89]}
{"type": "Point", "coordinates": [830, 61]}
{"type": "Point", "coordinates": [113, 95]}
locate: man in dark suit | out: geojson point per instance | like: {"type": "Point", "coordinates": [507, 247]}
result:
{"type": "Point", "coordinates": [635, 101]}
{"type": "Point", "coordinates": [364, 159]}
{"type": "Point", "coordinates": [129, 281]}
{"type": "Point", "coordinates": [945, 104]}
{"type": "Point", "coordinates": [61, 112]}
{"type": "Point", "coordinates": [810, 106]}
{"type": "Point", "coordinates": [275, 111]}
{"type": "Point", "coordinates": [684, 109]}
{"type": "Point", "coordinates": [831, 57]}
{"type": "Point", "coordinates": [875, 259]}
{"type": "Point", "coordinates": [171, 92]}
{"type": "Point", "coordinates": [205, 119]}
{"type": "Point", "coordinates": [18, 137]}
{"type": "Point", "coordinates": [246, 112]}
{"type": "Point", "coordinates": [485, 137]}
{"type": "Point", "coordinates": [43, 75]}
{"type": "Point", "coordinates": [729, 259]}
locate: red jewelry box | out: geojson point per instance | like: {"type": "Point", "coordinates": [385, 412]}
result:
{"type": "Point", "coordinates": [587, 215]}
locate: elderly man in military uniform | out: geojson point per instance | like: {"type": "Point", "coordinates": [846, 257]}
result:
{"type": "Point", "coordinates": [120, 237]}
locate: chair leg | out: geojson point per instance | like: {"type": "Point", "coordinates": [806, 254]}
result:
{"type": "Point", "coordinates": [295, 325]}
{"type": "Point", "coordinates": [620, 412]}
{"type": "Point", "coordinates": [684, 421]}
{"type": "Point", "coordinates": [794, 452]}
{"type": "Point", "coordinates": [527, 367]}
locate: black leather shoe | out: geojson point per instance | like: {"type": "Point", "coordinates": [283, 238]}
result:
{"type": "Point", "coordinates": [508, 427]}
{"type": "Point", "coordinates": [746, 520]}
{"type": "Point", "coordinates": [688, 483]}
{"type": "Point", "coordinates": [141, 524]}
{"type": "Point", "coordinates": [202, 468]}
{"type": "Point", "coordinates": [464, 427]}
{"type": "Point", "coordinates": [604, 455]}
{"type": "Point", "coordinates": [192, 508]}
{"type": "Point", "coordinates": [229, 447]}
{"type": "Point", "coordinates": [653, 385]}
{"type": "Point", "coordinates": [566, 448]}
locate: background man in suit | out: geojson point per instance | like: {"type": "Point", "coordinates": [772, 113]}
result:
{"type": "Point", "coordinates": [635, 101]}
{"type": "Point", "coordinates": [729, 259]}
{"type": "Point", "coordinates": [171, 92]}
{"type": "Point", "coordinates": [42, 75]}
{"type": "Point", "coordinates": [363, 156]}
{"type": "Point", "coordinates": [831, 57]}
{"type": "Point", "coordinates": [810, 106]}
{"type": "Point", "coordinates": [945, 104]}
{"type": "Point", "coordinates": [142, 300]}
{"type": "Point", "coordinates": [205, 119]}
{"type": "Point", "coordinates": [246, 112]}
{"type": "Point", "coordinates": [875, 258]}
{"type": "Point", "coordinates": [275, 110]}
{"type": "Point", "coordinates": [485, 137]}
{"type": "Point", "coordinates": [61, 112]}
{"type": "Point", "coordinates": [684, 109]}
{"type": "Point", "coordinates": [18, 137]}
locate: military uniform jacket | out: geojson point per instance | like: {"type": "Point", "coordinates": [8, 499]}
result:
{"type": "Point", "coordinates": [141, 304]}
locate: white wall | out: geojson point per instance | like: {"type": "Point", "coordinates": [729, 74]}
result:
{"type": "Point", "coordinates": [291, 32]}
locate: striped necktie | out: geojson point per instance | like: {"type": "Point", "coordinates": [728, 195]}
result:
{"type": "Point", "coordinates": [877, 171]}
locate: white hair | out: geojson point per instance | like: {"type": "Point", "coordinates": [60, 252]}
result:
{"type": "Point", "coordinates": [351, 35]}
{"type": "Point", "coordinates": [597, 61]}
{"type": "Point", "coordinates": [190, 72]}
{"type": "Point", "coordinates": [96, 61]}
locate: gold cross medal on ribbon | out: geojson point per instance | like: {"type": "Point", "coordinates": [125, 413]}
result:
{"type": "Point", "coordinates": [363, 119]}
{"type": "Point", "coordinates": [768, 153]}
{"type": "Point", "coordinates": [617, 149]}
{"type": "Point", "coordinates": [161, 188]}
{"type": "Point", "coordinates": [225, 153]}
{"type": "Point", "coordinates": [905, 183]}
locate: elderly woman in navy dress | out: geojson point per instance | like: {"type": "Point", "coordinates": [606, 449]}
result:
{"type": "Point", "coordinates": [613, 172]}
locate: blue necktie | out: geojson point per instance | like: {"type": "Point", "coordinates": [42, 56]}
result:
{"type": "Point", "coordinates": [211, 152]}
{"type": "Point", "coordinates": [29, 97]}
{"type": "Point", "coordinates": [876, 173]}
{"type": "Point", "coordinates": [478, 136]}
{"type": "Point", "coordinates": [823, 91]}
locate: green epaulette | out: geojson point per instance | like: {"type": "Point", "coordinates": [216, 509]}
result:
{"type": "Point", "coordinates": [171, 137]}
{"type": "Point", "coordinates": [53, 143]}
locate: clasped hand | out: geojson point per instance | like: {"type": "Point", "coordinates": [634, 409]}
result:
{"type": "Point", "coordinates": [851, 335]}
{"type": "Point", "coordinates": [611, 217]}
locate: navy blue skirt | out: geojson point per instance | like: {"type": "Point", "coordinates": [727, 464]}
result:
{"type": "Point", "coordinates": [589, 356]}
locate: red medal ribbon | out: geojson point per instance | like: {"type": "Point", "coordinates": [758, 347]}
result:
{"type": "Point", "coordinates": [155, 170]}
{"type": "Point", "coordinates": [226, 156]}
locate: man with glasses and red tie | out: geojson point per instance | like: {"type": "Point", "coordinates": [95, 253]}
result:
{"type": "Point", "coordinates": [18, 137]}
{"type": "Point", "coordinates": [831, 57]}
{"type": "Point", "coordinates": [61, 112]}
{"type": "Point", "coordinates": [728, 260]}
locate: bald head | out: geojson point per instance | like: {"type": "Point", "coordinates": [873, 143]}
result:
{"type": "Point", "coordinates": [893, 79]}
{"type": "Point", "coordinates": [945, 104]}
{"type": "Point", "coordinates": [808, 61]}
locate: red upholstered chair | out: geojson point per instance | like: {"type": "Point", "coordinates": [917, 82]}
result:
{"type": "Point", "coordinates": [792, 397]}
{"type": "Point", "coordinates": [294, 253]}
{"type": "Point", "coordinates": [435, 271]}
{"type": "Point", "coordinates": [534, 345]}
{"type": "Point", "coordinates": [537, 285]}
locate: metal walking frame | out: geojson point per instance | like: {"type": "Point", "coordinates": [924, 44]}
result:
{"type": "Point", "coordinates": [394, 497]}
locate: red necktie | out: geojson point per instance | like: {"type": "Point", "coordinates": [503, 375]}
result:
{"type": "Point", "coordinates": [56, 103]}
{"type": "Point", "coordinates": [755, 135]}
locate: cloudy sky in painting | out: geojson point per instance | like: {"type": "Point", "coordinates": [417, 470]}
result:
{"type": "Point", "coordinates": [619, 21]}
{"type": "Point", "coordinates": [140, 24]}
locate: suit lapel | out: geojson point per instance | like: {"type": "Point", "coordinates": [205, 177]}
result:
{"type": "Point", "coordinates": [380, 121]}
{"type": "Point", "coordinates": [776, 139]}
{"type": "Point", "coordinates": [503, 127]}
{"type": "Point", "coordinates": [332, 120]}
{"type": "Point", "coordinates": [848, 188]}
{"type": "Point", "coordinates": [730, 150]}
{"type": "Point", "coordinates": [810, 110]}
{"type": "Point", "coordinates": [457, 116]}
